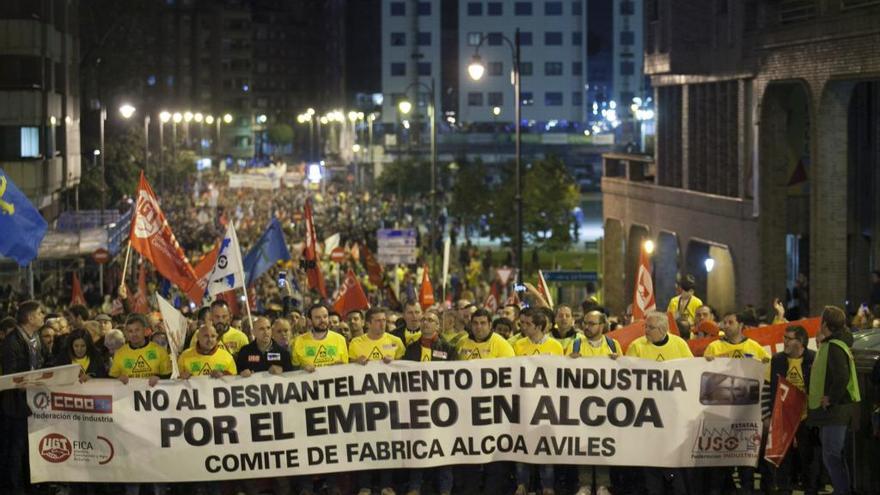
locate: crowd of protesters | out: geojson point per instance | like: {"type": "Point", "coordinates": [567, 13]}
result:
{"type": "Point", "coordinates": [287, 327]}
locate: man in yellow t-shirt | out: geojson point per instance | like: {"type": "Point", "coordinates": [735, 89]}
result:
{"type": "Point", "coordinates": [658, 344]}
{"type": "Point", "coordinates": [735, 344]}
{"type": "Point", "coordinates": [535, 341]}
{"type": "Point", "coordinates": [483, 343]}
{"type": "Point", "coordinates": [376, 344]}
{"type": "Point", "coordinates": [232, 338]}
{"type": "Point", "coordinates": [594, 342]}
{"type": "Point", "coordinates": [140, 358]}
{"type": "Point", "coordinates": [320, 346]}
{"type": "Point", "coordinates": [532, 322]}
{"type": "Point", "coordinates": [685, 304]}
{"type": "Point", "coordinates": [207, 358]}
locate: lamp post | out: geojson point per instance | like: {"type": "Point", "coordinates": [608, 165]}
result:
{"type": "Point", "coordinates": [102, 118]}
{"type": "Point", "coordinates": [164, 117]}
{"type": "Point", "coordinates": [476, 69]}
{"type": "Point", "coordinates": [127, 111]}
{"type": "Point", "coordinates": [432, 115]}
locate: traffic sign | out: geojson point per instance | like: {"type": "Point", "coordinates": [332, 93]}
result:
{"type": "Point", "coordinates": [338, 254]}
{"type": "Point", "coordinates": [571, 276]}
{"type": "Point", "coordinates": [396, 246]}
{"type": "Point", "coordinates": [101, 256]}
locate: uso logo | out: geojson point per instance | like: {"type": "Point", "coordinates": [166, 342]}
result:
{"type": "Point", "coordinates": [55, 448]}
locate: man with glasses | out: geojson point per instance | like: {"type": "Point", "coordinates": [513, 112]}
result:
{"type": "Point", "coordinates": [430, 347]}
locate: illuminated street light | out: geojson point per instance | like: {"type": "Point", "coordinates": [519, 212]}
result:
{"type": "Point", "coordinates": [164, 116]}
{"type": "Point", "coordinates": [187, 116]}
{"type": "Point", "coordinates": [209, 119]}
{"type": "Point", "coordinates": [126, 110]}
{"type": "Point", "coordinates": [352, 116]}
{"type": "Point", "coordinates": [476, 69]}
{"type": "Point", "coordinates": [404, 106]}
{"type": "Point", "coordinates": [198, 117]}
{"type": "Point", "coordinates": [177, 117]}
{"type": "Point", "coordinates": [496, 111]}
{"type": "Point", "coordinates": [310, 111]}
{"type": "Point", "coordinates": [710, 264]}
{"type": "Point", "coordinates": [261, 119]}
{"type": "Point", "coordinates": [648, 246]}
{"type": "Point", "coordinates": [227, 118]}
{"type": "Point", "coordinates": [324, 120]}
{"type": "Point", "coordinates": [355, 147]}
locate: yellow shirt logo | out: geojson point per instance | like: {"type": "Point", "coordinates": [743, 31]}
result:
{"type": "Point", "coordinates": [141, 366]}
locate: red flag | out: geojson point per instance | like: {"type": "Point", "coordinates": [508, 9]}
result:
{"type": "Point", "coordinates": [139, 302]}
{"type": "Point", "coordinates": [202, 270]}
{"type": "Point", "coordinates": [152, 237]}
{"type": "Point", "coordinates": [310, 254]}
{"type": "Point", "coordinates": [788, 409]}
{"type": "Point", "coordinates": [231, 300]}
{"type": "Point", "coordinates": [374, 269]}
{"type": "Point", "coordinates": [491, 302]}
{"type": "Point", "coordinates": [351, 296]}
{"type": "Point", "coordinates": [76, 292]}
{"type": "Point", "coordinates": [643, 299]}
{"type": "Point", "coordinates": [426, 292]}
{"type": "Point", "coordinates": [543, 289]}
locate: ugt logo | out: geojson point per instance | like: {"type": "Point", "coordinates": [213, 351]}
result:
{"type": "Point", "coordinates": [55, 448]}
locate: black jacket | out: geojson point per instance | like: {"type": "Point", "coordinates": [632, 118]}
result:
{"type": "Point", "coordinates": [16, 357]}
{"type": "Point", "coordinates": [440, 351]}
{"type": "Point", "coordinates": [250, 358]}
{"type": "Point", "coordinates": [779, 366]}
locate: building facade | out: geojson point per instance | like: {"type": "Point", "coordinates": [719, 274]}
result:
{"type": "Point", "coordinates": [39, 99]}
{"type": "Point", "coordinates": [767, 155]}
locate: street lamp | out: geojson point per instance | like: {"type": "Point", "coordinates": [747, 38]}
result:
{"type": "Point", "coordinates": [127, 111]}
{"type": "Point", "coordinates": [476, 69]}
{"type": "Point", "coordinates": [405, 106]}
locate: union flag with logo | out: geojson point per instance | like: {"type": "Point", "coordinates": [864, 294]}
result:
{"type": "Point", "coordinates": [643, 299]}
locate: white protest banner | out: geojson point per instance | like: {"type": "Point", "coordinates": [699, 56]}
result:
{"type": "Point", "coordinates": [253, 181]}
{"type": "Point", "coordinates": [59, 375]}
{"type": "Point", "coordinates": [541, 409]}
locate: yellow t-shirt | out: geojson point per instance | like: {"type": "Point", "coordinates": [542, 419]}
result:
{"type": "Point", "coordinates": [307, 350]}
{"type": "Point", "coordinates": [548, 347]}
{"type": "Point", "coordinates": [674, 348]}
{"type": "Point", "coordinates": [587, 350]}
{"type": "Point", "coordinates": [233, 340]}
{"type": "Point", "coordinates": [454, 338]}
{"type": "Point", "coordinates": [514, 338]}
{"type": "Point", "coordinates": [568, 339]}
{"type": "Point", "coordinates": [690, 312]}
{"type": "Point", "coordinates": [412, 336]}
{"type": "Point", "coordinates": [375, 350]}
{"type": "Point", "coordinates": [746, 349]}
{"type": "Point", "coordinates": [203, 364]}
{"type": "Point", "coordinates": [144, 362]}
{"type": "Point", "coordinates": [494, 347]}
{"type": "Point", "coordinates": [82, 362]}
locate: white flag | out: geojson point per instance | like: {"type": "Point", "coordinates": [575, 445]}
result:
{"type": "Point", "coordinates": [228, 272]}
{"type": "Point", "coordinates": [331, 243]}
{"type": "Point", "coordinates": [175, 327]}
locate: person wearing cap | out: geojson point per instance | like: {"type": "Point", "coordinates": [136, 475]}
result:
{"type": "Point", "coordinates": [685, 304]}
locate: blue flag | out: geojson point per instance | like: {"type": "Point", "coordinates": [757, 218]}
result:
{"type": "Point", "coordinates": [269, 249]}
{"type": "Point", "coordinates": [22, 225]}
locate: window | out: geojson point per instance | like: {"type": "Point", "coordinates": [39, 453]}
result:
{"type": "Point", "coordinates": [577, 98]}
{"type": "Point", "coordinates": [496, 68]}
{"type": "Point", "coordinates": [526, 98]}
{"type": "Point", "coordinates": [577, 38]}
{"type": "Point", "coordinates": [475, 99]}
{"type": "Point", "coordinates": [494, 8]}
{"type": "Point", "coordinates": [576, 8]}
{"type": "Point", "coordinates": [576, 68]}
{"type": "Point", "coordinates": [552, 8]}
{"type": "Point", "coordinates": [627, 38]}
{"type": "Point", "coordinates": [398, 39]}
{"type": "Point", "coordinates": [627, 68]}
{"type": "Point", "coordinates": [496, 99]}
{"type": "Point", "coordinates": [424, 39]}
{"type": "Point", "coordinates": [525, 38]}
{"type": "Point", "coordinates": [424, 8]}
{"type": "Point", "coordinates": [553, 38]}
{"type": "Point", "coordinates": [627, 7]}
{"type": "Point", "coordinates": [525, 68]}
{"type": "Point", "coordinates": [424, 68]}
{"type": "Point", "coordinates": [494, 39]}
{"type": "Point", "coordinates": [474, 8]}
{"type": "Point", "coordinates": [398, 9]}
{"type": "Point", "coordinates": [553, 98]}
{"type": "Point", "coordinates": [398, 69]}
{"type": "Point", "coordinates": [30, 142]}
{"type": "Point", "coordinates": [21, 71]}
{"type": "Point", "coordinates": [552, 68]}
{"type": "Point", "coordinates": [473, 39]}
{"type": "Point", "coordinates": [522, 8]}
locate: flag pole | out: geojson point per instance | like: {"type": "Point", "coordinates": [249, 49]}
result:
{"type": "Point", "coordinates": [247, 307]}
{"type": "Point", "coordinates": [125, 265]}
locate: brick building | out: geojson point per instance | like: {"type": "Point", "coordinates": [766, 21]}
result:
{"type": "Point", "coordinates": [767, 154]}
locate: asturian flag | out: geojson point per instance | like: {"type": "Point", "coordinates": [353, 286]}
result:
{"type": "Point", "coordinates": [228, 272]}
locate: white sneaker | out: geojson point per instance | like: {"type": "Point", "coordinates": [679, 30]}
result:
{"type": "Point", "coordinates": [603, 491]}
{"type": "Point", "coordinates": [584, 490]}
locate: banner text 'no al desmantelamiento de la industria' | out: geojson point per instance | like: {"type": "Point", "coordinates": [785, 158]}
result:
{"type": "Point", "coordinates": [539, 410]}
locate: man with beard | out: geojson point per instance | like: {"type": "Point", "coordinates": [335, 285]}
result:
{"type": "Point", "coordinates": [321, 346]}
{"type": "Point", "coordinates": [232, 338]}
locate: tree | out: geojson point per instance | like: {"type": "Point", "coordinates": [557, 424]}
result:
{"type": "Point", "coordinates": [280, 134]}
{"type": "Point", "coordinates": [549, 196]}
{"type": "Point", "coordinates": [123, 160]}
{"type": "Point", "coordinates": [406, 178]}
{"type": "Point", "coordinates": [471, 193]}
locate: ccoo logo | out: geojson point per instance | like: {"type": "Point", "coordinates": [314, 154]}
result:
{"type": "Point", "coordinates": [55, 448]}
